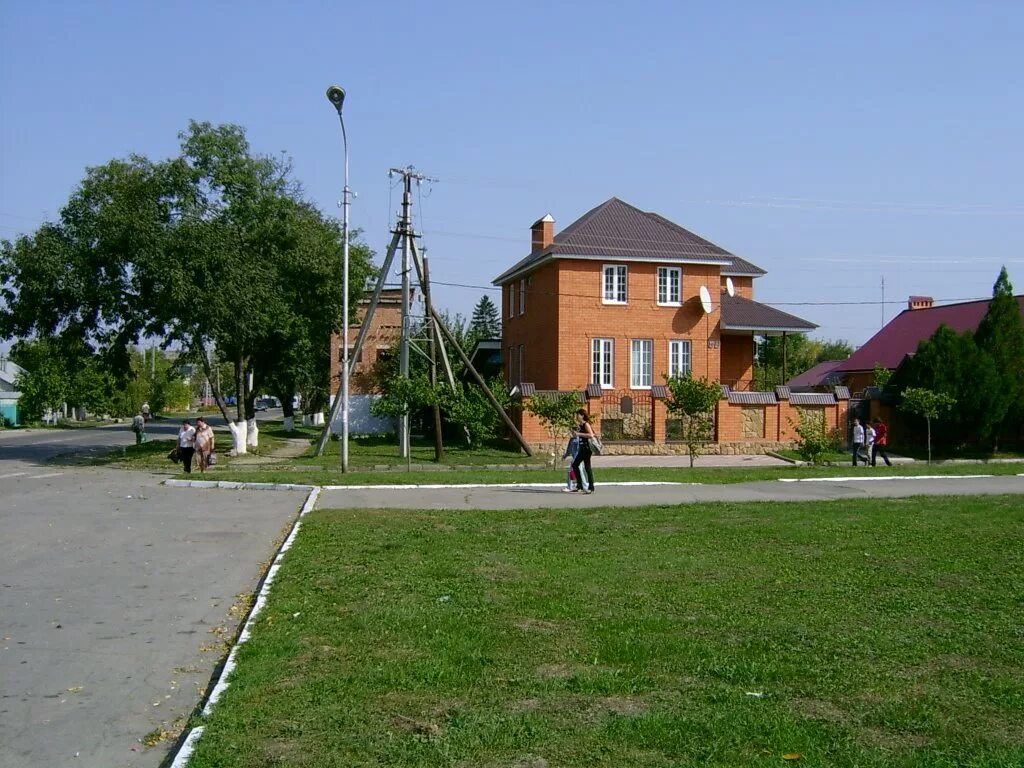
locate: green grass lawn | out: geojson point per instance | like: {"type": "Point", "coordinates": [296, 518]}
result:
{"type": "Point", "coordinates": [854, 633]}
{"type": "Point", "coordinates": [295, 473]}
{"type": "Point", "coordinates": [376, 451]}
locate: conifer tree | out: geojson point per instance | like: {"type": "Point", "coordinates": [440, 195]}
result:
{"type": "Point", "coordinates": [1001, 336]}
{"type": "Point", "coordinates": [486, 323]}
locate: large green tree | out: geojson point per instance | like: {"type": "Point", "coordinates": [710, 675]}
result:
{"type": "Point", "coordinates": [1001, 336]}
{"type": "Point", "coordinates": [799, 353]}
{"type": "Point", "coordinates": [212, 249]}
{"type": "Point", "coordinates": [486, 322]}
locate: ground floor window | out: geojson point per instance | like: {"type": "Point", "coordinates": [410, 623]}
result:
{"type": "Point", "coordinates": [602, 360]}
{"type": "Point", "coordinates": [680, 361]}
{"type": "Point", "coordinates": [641, 359]}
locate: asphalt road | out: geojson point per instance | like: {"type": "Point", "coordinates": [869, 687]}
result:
{"type": "Point", "coordinates": [115, 592]}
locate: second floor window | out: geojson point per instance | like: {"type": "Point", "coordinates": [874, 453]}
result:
{"type": "Point", "coordinates": [641, 367]}
{"type": "Point", "coordinates": [670, 281]}
{"type": "Point", "coordinates": [679, 358]}
{"type": "Point", "coordinates": [511, 365]}
{"type": "Point", "coordinates": [602, 359]}
{"type": "Point", "coordinates": [522, 297]}
{"type": "Point", "coordinates": [511, 300]}
{"type": "Point", "coordinates": [614, 284]}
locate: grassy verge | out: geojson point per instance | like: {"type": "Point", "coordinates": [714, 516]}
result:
{"type": "Point", "coordinates": [854, 633]}
{"type": "Point", "coordinates": [709, 475]}
{"type": "Point", "coordinates": [378, 451]}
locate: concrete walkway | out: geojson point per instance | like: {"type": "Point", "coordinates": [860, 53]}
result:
{"type": "Point", "coordinates": [539, 496]}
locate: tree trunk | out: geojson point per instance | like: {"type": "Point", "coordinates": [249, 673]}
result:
{"type": "Point", "coordinates": [929, 421]}
{"type": "Point", "coordinates": [287, 397]}
{"type": "Point", "coordinates": [252, 434]}
{"type": "Point", "coordinates": [239, 428]}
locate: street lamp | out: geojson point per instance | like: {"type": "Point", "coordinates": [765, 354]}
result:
{"type": "Point", "coordinates": [336, 96]}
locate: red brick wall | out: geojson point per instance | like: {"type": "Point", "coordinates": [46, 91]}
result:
{"type": "Point", "coordinates": [536, 330]}
{"type": "Point", "coordinates": [737, 360]}
{"type": "Point", "coordinates": [584, 317]}
{"type": "Point", "coordinates": [744, 286]}
{"type": "Point", "coordinates": [385, 331]}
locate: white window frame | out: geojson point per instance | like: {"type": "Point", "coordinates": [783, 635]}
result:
{"type": "Point", "coordinates": [676, 356]}
{"type": "Point", "coordinates": [522, 297]}
{"type": "Point", "coordinates": [511, 300]}
{"type": "Point", "coordinates": [619, 284]}
{"type": "Point", "coordinates": [641, 363]}
{"type": "Point", "coordinates": [669, 273]}
{"type": "Point", "coordinates": [602, 362]}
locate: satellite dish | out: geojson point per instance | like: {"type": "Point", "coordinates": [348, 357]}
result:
{"type": "Point", "coordinates": [729, 287]}
{"type": "Point", "coordinates": [705, 299]}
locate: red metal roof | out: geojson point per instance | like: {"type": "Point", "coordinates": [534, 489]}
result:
{"type": "Point", "coordinates": [904, 332]}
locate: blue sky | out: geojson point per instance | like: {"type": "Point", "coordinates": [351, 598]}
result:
{"type": "Point", "coordinates": [832, 144]}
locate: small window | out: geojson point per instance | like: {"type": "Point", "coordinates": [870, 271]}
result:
{"type": "Point", "coordinates": [511, 300]}
{"type": "Point", "coordinates": [602, 359]}
{"type": "Point", "coordinates": [352, 359]}
{"type": "Point", "coordinates": [522, 297]}
{"type": "Point", "coordinates": [641, 361]}
{"type": "Point", "coordinates": [670, 281]}
{"type": "Point", "coordinates": [614, 284]}
{"type": "Point", "coordinates": [511, 365]}
{"type": "Point", "coordinates": [522, 363]}
{"type": "Point", "coordinates": [679, 358]}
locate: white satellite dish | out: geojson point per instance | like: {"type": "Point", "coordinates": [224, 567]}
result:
{"type": "Point", "coordinates": [729, 287]}
{"type": "Point", "coordinates": [705, 299]}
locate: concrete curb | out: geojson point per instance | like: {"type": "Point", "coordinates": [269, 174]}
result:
{"type": "Point", "coordinates": [187, 745]}
{"type": "Point", "coordinates": [237, 486]}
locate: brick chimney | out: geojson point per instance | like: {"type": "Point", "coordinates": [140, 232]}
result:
{"type": "Point", "coordinates": [543, 232]}
{"type": "Point", "coordinates": [920, 302]}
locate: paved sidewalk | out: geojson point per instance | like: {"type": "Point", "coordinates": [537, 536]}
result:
{"type": "Point", "coordinates": [527, 496]}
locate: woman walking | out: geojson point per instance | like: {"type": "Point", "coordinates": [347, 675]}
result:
{"type": "Point", "coordinates": [186, 445]}
{"type": "Point", "coordinates": [584, 432]}
{"type": "Point", "coordinates": [204, 443]}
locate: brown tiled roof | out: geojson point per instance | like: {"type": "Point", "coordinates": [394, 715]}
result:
{"type": "Point", "coordinates": [739, 314]}
{"type": "Point", "coordinates": [752, 398]}
{"type": "Point", "coordinates": [620, 231]}
{"type": "Point", "coordinates": [812, 398]}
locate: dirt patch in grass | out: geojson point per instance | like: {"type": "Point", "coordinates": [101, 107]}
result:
{"type": "Point", "coordinates": [536, 625]}
{"type": "Point", "coordinates": [624, 706]}
{"type": "Point", "coordinates": [893, 740]}
{"type": "Point", "coordinates": [818, 709]}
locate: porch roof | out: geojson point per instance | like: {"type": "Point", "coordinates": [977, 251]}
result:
{"type": "Point", "coordinates": [740, 314]}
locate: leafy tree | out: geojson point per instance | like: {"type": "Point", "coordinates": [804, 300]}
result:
{"type": "Point", "coordinates": [815, 440]}
{"type": "Point", "coordinates": [952, 364]}
{"type": "Point", "coordinates": [486, 322]}
{"type": "Point", "coordinates": [1001, 336]}
{"type": "Point", "coordinates": [212, 249]}
{"type": "Point", "coordinates": [801, 354]}
{"type": "Point", "coordinates": [556, 412]}
{"type": "Point", "coordinates": [694, 400]}
{"type": "Point", "coordinates": [930, 405]}
{"type": "Point", "coordinates": [882, 376]}
{"type": "Point", "coordinates": [467, 409]}
{"type": "Point", "coordinates": [44, 388]}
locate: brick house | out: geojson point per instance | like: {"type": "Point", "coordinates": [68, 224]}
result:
{"type": "Point", "coordinates": [382, 336]}
{"type": "Point", "coordinates": [611, 307]}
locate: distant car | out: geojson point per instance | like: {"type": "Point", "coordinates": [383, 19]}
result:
{"type": "Point", "coordinates": [261, 405]}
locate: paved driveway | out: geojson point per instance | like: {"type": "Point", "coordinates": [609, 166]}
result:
{"type": "Point", "coordinates": [115, 593]}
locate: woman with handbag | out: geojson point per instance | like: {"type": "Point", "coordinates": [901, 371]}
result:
{"type": "Point", "coordinates": [585, 433]}
{"type": "Point", "coordinates": [204, 444]}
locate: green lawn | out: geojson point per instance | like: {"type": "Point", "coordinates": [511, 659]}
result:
{"type": "Point", "coordinates": [538, 474]}
{"type": "Point", "coordinates": [854, 633]}
{"type": "Point", "coordinates": [377, 451]}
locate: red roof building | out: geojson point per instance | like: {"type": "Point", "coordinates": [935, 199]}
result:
{"type": "Point", "coordinates": [903, 333]}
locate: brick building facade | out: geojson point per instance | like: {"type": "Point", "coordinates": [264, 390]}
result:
{"type": "Point", "coordinates": [622, 299]}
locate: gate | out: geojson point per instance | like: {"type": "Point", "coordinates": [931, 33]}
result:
{"type": "Point", "coordinates": [626, 416]}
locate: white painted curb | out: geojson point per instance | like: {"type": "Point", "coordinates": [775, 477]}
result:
{"type": "Point", "coordinates": [236, 486]}
{"type": "Point", "coordinates": [870, 479]}
{"type": "Point", "coordinates": [223, 681]}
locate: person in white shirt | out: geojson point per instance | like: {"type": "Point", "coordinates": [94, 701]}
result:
{"type": "Point", "coordinates": [869, 441]}
{"type": "Point", "coordinates": [186, 445]}
{"type": "Point", "coordinates": [858, 442]}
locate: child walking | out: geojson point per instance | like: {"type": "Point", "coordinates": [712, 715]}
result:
{"type": "Point", "coordinates": [573, 483]}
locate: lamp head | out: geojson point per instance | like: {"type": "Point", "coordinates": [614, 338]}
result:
{"type": "Point", "coordinates": [336, 95]}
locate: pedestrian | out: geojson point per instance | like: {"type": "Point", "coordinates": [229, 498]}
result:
{"type": "Point", "coordinates": [146, 415]}
{"type": "Point", "coordinates": [204, 444]}
{"type": "Point", "coordinates": [585, 433]}
{"type": "Point", "coordinates": [572, 480]}
{"type": "Point", "coordinates": [869, 442]}
{"type": "Point", "coordinates": [858, 442]}
{"type": "Point", "coordinates": [186, 445]}
{"type": "Point", "coordinates": [881, 441]}
{"type": "Point", "coordinates": [139, 428]}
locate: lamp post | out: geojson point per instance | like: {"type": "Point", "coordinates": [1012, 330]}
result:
{"type": "Point", "coordinates": [336, 96]}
